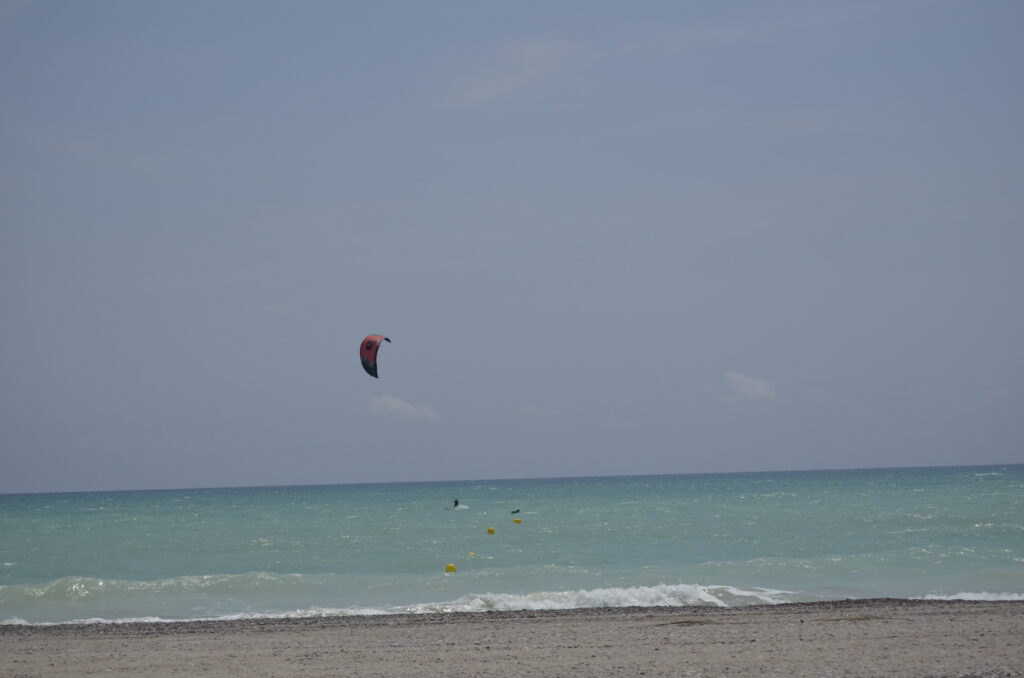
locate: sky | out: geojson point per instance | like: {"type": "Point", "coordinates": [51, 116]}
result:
{"type": "Point", "coordinates": [604, 238]}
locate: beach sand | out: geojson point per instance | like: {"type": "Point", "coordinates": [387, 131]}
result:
{"type": "Point", "coordinates": [849, 638]}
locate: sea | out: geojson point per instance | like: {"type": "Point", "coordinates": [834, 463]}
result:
{"type": "Point", "coordinates": [715, 539]}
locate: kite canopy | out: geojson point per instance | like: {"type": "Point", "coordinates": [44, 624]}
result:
{"type": "Point", "coordinates": [368, 352]}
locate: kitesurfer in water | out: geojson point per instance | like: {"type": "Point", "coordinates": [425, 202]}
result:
{"type": "Point", "coordinates": [455, 504]}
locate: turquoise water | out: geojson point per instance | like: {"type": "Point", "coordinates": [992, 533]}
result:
{"type": "Point", "coordinates": [729, 539]}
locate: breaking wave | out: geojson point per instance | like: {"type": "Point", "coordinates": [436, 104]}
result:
{"type": "Point", "coordinates": [639, 596]}
{"type": "Point", "coordinates": [83, 589]}
{"type": "Point", "coordinates": [980, 596]}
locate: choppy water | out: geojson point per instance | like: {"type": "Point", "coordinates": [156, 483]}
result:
{"type": "Point", "coordinates": [730, 539]}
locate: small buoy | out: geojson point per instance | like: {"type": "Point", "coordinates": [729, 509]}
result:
{"type": "Point", "coordinates": [517, 521]}
{"type": "Point", "coordinates": [450, 567]}
{"type": "Point", "coordinates": [490, 530]}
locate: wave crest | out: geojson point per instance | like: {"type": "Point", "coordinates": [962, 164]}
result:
{"type": "Point", "coordinates": [71, 589]}
{"type": "Point", "coordinates": [979, 595]}
{"type": "Point", "coordinates": [638, 596]}
{"type": "Point", "coordinates": [80, 588]}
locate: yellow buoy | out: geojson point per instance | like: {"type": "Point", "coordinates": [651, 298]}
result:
{"type": "Point", "coordinates": [450, 567]}
{"type": "Point", "coordinates": [490, 530]}
{"type": "Point", "coordinates": [517, 521]}
{"type": "Point", "coordinates": [470, 554]}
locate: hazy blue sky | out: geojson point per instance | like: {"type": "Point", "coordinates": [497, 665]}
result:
{"type": "Point", "coordinates": [604, 238]}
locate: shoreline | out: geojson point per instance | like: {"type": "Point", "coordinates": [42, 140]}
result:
{"type": "Point", "coordinates": [876, 637]}
{"type": "Point", "coordinates": [402, 618]}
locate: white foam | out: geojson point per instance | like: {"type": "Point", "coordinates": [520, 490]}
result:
{"type": "Point", "coordinates": [638, 596]}
{"type": "Point", "coordinates": [971, 595]}
{"type": "Point", "coordinates": [13, 621]}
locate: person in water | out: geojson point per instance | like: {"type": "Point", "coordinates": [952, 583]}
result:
{"type": "Point", "coordinates": [455, 504]}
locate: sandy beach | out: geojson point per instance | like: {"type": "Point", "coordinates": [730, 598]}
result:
{"type": "Point", "coordinates": [849, 638]}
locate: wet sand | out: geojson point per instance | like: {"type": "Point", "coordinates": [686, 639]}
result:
{"type": "Point", "coordinates": [849, 638]}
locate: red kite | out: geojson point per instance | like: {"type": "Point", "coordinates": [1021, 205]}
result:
{"type": "Point", "coordinates": [368, 353]}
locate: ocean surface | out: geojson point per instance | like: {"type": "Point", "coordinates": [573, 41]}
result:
{"type": "Point", "coordinates": [729, 539]}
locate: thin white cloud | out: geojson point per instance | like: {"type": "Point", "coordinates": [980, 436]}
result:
{"type": "Point", "coordinates": [793, 123]}
{"type": "Point", "coordinates": [390, 405]}
{"type": "Point", "coordinates": [745, 387]}
{"type": "Point", "coordinates": [737, 32]}
{"type": "Point", "coordinates": [518, 67]}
